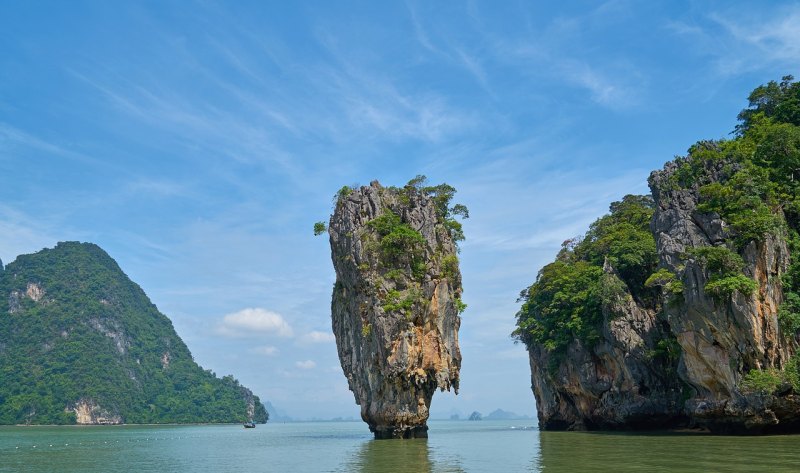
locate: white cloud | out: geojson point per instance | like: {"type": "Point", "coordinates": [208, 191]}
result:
{"type": "Point", "coordinates": [305, 365]}
{"type": "Point", "coordinates": [22, 234]}
{"type": "Point", "coordinates": [776, 38]}
{"type": "Point", "coordinates": [745, 40]}
{"type": "Point", "coordinates": [316, 336]}
{"type": "Point", "coordinates": [265, 350]}
{"type": "Point", "coordinates": [254, 322]}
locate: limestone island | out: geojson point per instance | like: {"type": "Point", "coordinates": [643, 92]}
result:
{"type": "Point", "coordinates": [397, 299]}
{"type": "Point", "coordinates": [682, 308]}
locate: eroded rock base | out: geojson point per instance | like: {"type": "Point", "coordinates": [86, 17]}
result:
{"type": "Point", "coordinates": [407, 432]}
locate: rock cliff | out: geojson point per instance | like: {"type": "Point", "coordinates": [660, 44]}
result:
{"type": "Point", "coordinates": [626, 380]}
{"type": "Point", "coordinates": [723, 336]}
{"type": "Point", "coordinates": [396, 302]}
{"type": "Point", "coordinates": [682, 310]}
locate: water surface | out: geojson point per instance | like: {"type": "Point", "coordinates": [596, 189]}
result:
{"type": "Point", "coordinates": [453, 446]}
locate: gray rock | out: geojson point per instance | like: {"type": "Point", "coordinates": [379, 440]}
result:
{"type": "Point", "coordinates": [619, 384]}
{"type": "Point", "coordinates": [394, 358]}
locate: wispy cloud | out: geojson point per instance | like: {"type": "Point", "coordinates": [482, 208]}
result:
{"type": "Point", "coordinates": [306, 365]}
{"type": "Point", "coordinates": [419, 30]}
{"type": "Point", "coordinates": [316, 336]}
{"type": "Point", "coordinates": [772, 39]}
{"type": "Point", "coordinates": [151, 187]}
{"type": "Point", "coordinates": [15, 141]}
{"type": "Point", "coordinates": [745, 39]}
{"type": "Point", "coordinates": [21, 234]}
{"type": "Point", "coordinates": [377, 107]}
{"type": "Point", "coordinates": [266, 350]}
{"type": "Point", "coordinates": [253, 322]}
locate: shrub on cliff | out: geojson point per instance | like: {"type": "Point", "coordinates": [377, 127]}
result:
{"type": "Point", "coordinates": [565, 303]}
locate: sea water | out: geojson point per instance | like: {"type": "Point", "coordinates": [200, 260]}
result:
{"type": "Point", "coordinates": [453, 446]}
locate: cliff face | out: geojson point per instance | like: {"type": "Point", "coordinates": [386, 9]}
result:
{"type": "Point", "coordinates": [681, 360]}
{"type": "Point", "coordinates": [395, 305]}
{"type": "Point", "coordinates": [81, 343]}
{"type": "Point", "coordinates": [722, 338]}
{"type": "Point", "coordinates": [626, 380]}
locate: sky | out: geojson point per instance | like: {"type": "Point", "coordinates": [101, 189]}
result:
{"type": "Point", "coordinates": [198, 141]}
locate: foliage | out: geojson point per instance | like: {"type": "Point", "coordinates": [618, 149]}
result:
{"type": "Point", "coordinates": [667, 351]}
{"type": "Point", "coordinates": [561, 306]}
{"type": "Point", "coordinates": [395, 301]}
{"type": "Point", "coordinates": [320, 228]}
{"type": "Point", "coordinates": [667, 348]}
{"type": "Point", "coordinates": [343, 192]}
{"type": "Point", "coordinates": [398, 242]}
{"type": "Point", "coordinates": [95, 335]}
{"type": "Point", "coordinates": [789, 314]}
{"type": "Point", "coordinates": [724, 268]}
{"type": "Point", "coordinates": [789, 311]}
{"type": "Point", "coordinates": [441, 195]}
{"type": "Point", "coordinates": [717, 260]}
{"type": "Point", "coordinates": [394, 274]}
{"type": "Point", "coordinates": [743, 202]}
{"type": "Point", "coordinates": [776, 101]}
{"type": "Point", "coordinates": [725, 287]}
{"type": "Point", "coordinates": [450, 266]}
{"type": "Point", "coordinates": [764, 381]}
{"type": "Point", "coordinates": [460, 306]}
{"type": "Point", "coordinates": [612, 288]}
{"type": "Point", "coordinates": [666, 279]}
{"type": "Point", "coordinates": [623, 239]}
{"type": "Point", "coordinates": [366, 330]}
{"type": "Point", "coordinates": [565, 303]}
{"type": "Point", "coordinates": [769, 380]}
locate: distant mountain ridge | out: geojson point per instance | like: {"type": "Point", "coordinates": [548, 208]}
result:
{"type": "Point", "coordinates": [500, 414]}
{"type": "Point", "coordinates": [81, 343]}
{"type": "Point", "coordinates": [276, 415]}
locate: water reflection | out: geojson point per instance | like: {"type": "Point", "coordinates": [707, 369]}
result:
{"type": "Point", "coordinates": [399, 455]}
{"type": "Point", "coordinates": [667, 452]}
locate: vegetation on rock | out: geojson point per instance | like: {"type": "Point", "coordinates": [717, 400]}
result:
{"type": "Point", "coordinates": [565, 302]}
{"type": "Point", "coordinates": [397, 299]}
{"type": "Point", "coordinates": [757, 194]}
{"type": "Point", "coordinates": [727, 213]}
{"type": "Point", "coordinates": [74, 328]}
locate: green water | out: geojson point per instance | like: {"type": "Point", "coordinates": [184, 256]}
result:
{"type": "Point", "coordinates": [487, 446]}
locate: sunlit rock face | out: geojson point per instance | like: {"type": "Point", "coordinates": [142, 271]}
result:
{"type": "Point", "coordinates": [395, 305]}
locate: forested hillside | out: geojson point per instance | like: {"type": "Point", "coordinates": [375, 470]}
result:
{"type": "Point", "coordinates": [80, 342]}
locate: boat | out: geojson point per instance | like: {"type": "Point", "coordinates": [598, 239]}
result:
{"type": "Point", "coordinates": [250, 425]}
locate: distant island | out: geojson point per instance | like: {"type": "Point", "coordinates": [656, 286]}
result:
{"type": "Point", "coordinates": [497, 414]}
{"type": "Point", "coordinates": [682, 308]}
{"type": "Point", "coordinates": [80, 343]}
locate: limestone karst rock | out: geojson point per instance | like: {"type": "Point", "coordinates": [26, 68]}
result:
{"type": "Point", "coordinates": [680, 360]}
{"type": "Point", "coordinates": [396, 302]}
{"type": "Point", "coordinates": [682, 309]}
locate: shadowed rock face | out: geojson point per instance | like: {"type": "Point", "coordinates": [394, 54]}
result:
{"type": "Point", "coordinates": [721, 339]}
{"type": "Point", "coordinates": [395, 306]}
{"type": "Point", "coordinates": [615, 384]}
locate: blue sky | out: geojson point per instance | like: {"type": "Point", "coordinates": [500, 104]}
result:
{"type": "Point", "coordinates": [198, 141]}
